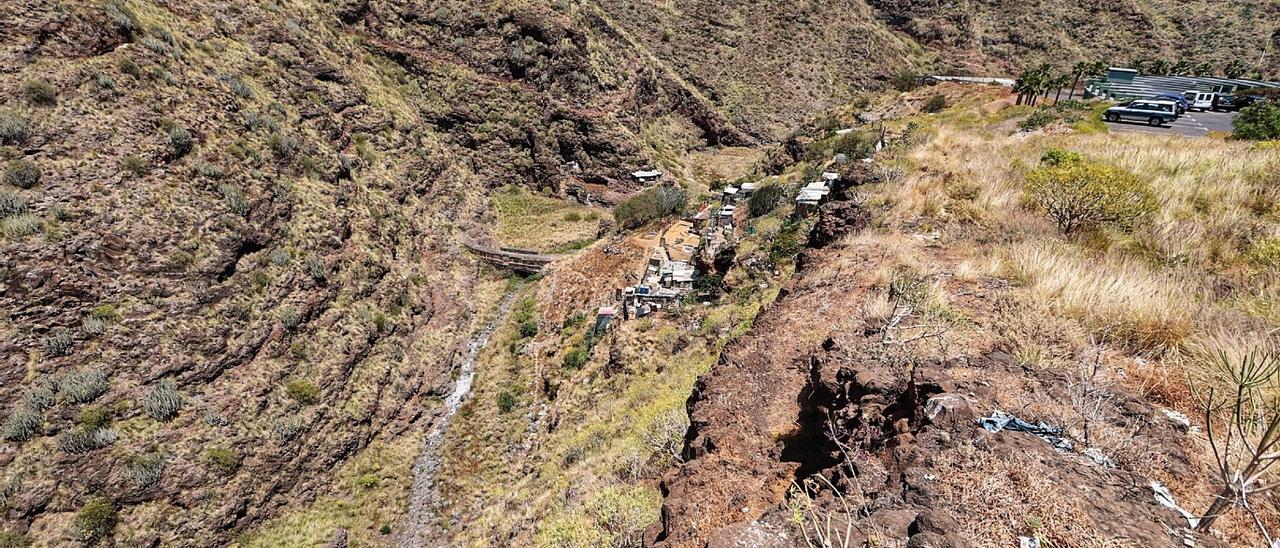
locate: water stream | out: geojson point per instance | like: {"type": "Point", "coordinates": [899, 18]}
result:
{"type": "Point", "coordinates": [421, 524]}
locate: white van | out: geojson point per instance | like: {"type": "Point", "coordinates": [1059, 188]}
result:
{"type": "Point", "coordinates": [1199, 100]}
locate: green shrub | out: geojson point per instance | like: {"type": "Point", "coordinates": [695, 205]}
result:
{"type": "Point", "coordinates": [181, 140]}
{"type": "Point", "coordinates": [1264, 253]}
{"type": "Point", "coordinates": [128, 66]}
{"type": "Point", "coordinates": [576, 357]}
{"type": "Point", "coordinates": [368, 481]}
{"type": "Point", "coordinates": [302, 391]}
{"type": "Point", "coordinates": [572, 217]}
{"type": "Point", "coordinates": [123, 17]}
{"type": "Point", "coordinates": [41, 396]}
{"type": "Point", "coordinates": [1258, 122]}
{"type": "Point", "coordinates": [14, 128]}
{"type": "Point", "coordinates": [316, 268]}
{"type": "Point", "coordinates": [259, 280]}
{"type": "Point", "coordinates": [935, 104]}
{"type": "Point", "coordinates": [283, 146]}
{"type": "Point", "coordinates": [163, 402]}
{"type": "Point", "coordinates": [239, 88]}
{"type": "Point", "coordinates": [651, 204]}
{"type": "Point", "coordinates": [280, 257]}
{"type": "Point", "coordinates": [225, 460]}
{"type": "Point", "coordinates": [1054, 156]}
{"type": "Point", "coordinates": [59, 343]}
{"type": "Point", "coordinates": [79, 387]}
{"type": "Point", "coordinates": [1082, 194]}
{"type": "Point", "coordinates": [765, 199]}
{"type": "Point", "coordinates": [105, 312]}
{"type": "Point", "coordinates": [289, 318]}
{"type": "Point", "coordinates": [20, 226]}
{"type": "Point", "coordinates": [156, 45]}
{"type": "Point", "coordinates": [385, 529]}
{"type": "Point", "coordinates": [208, 170]}
{"type": "Point", "coordinates": [506, 402]}
{"type": "Point", "coordinates": [287, 428]}
{"type": "Point", "coordinates": [93, 416]}
{"type": "Point", "coordinates": [83, 440]}
{"type": "Point", "coordinates": [14, 539]}
{"type": "Point", "coordinates": [1037, 120]}
{"type": "Point", "coordinates": [22, 424]}
{"type": "Point", "coordinates": [146, 469]}
{"type": "Point", "coordinates": [40, 92]}
{"type": "Point", "coordinates": [234, 198]}
{"type": "Point", "coordinates": [12, 204]}
{"type": "Point", "coordinates": [95, 521]}
{"type": "Point", "coordinates": [22, 173]}
{"type": "Point", "coordinates": [905, 80]}
{"type": "Point", "coordinates": [92, 326]}
{"type": "Point", "coordinates": [135, 165]}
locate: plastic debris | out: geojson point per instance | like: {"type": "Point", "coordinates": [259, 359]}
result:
{"type": "Point", "coordinates": [1003, 421]}
{"type": "Point", "coordinates": [1096, 455]}
{"type": "Point", "coordinates": [1028, 542]}
{"type": "Point", "coordinates": [1165, 498]}
{"type": "Point", "coordinates": [1179, 419]}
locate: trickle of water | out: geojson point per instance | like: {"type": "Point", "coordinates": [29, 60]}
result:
{"type": "Point", "coordinates": [424, 499]}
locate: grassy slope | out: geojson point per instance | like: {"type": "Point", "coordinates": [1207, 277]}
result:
{"type": "Point", "coordinates": [1156, 303]}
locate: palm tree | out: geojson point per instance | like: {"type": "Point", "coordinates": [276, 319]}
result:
{"type": "Point", "coordinates": [1028, 85]}
{"type": "Point", "coordinates": [1058, 82]}
{"type": "Point", "coordinates": [1078, 71]}
{"type": "Point", "coordinates": [1160, 67]}
{"type": "Point", "coordinates": [1236, 69]}
{"type": "Point", "coordinates": [1181, 68]}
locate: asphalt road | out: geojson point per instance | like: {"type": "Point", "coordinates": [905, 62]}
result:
{"type": "Point", "coordinates": [1191, 124]}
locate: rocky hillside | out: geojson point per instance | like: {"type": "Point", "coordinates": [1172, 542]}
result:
{"type": "Point", "coordinates": [978, 35]}
{"type": "Point", "coordinates": [934, 294]}
{"type": "Point", "coordinates": [232, 285]}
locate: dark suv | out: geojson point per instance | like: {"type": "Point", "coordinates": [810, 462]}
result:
{"type": "Point", "coordinates": [1154, 113]}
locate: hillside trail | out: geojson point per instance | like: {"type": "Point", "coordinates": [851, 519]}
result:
{"type": "Point", "coordinates": [421, 522]}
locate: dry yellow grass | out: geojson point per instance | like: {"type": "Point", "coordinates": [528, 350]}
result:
{"type": "Point", "coordinates": [1163, 299]}
{"type": "Point", "coordinates": [1120, 298]}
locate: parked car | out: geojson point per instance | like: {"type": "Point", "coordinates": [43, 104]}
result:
{"type": "Point", "coordinates": [1199, 100]}
{"type": "Point", "coordinates": [1231, 103]}
{"type": "Point", "coordinates": [1182, 102]}
{"type": "Point", "coordinates": [1154, 113]}
{"type": "Point", "coordinates": [1172, 104]}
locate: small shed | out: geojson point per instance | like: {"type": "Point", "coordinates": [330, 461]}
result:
{"type": "Point", "coordinates": [604, 316]}
{"type": "Point", "coordinates": [647, 176]}
{"type": "Point", "coordinates": [730, 194]}
{"type": "Point", "coordinates": [746, 189]}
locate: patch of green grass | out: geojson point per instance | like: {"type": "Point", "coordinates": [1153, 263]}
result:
{"type": "Point", "coordinates": [543, 223]}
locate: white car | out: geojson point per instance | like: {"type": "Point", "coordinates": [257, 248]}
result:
{"type": "Point", "coordinates": [1202, 100]}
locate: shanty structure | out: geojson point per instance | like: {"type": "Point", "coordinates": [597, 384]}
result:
{"type": "Point", "coordinates": [746, 189]}
{"type": "Point", "coordinates": [647, 176]}
{"type": "Point", "coordinates": [729, 195]}
{"type": "Point", "coordinates": [811, 196]}
{"type": "Point", "coordinates": [724, 216]}
{"type": "Point", "coordinates": [604, 317]}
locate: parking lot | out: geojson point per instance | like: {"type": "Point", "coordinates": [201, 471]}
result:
{"type": "Point", "coordinates": [1191, 124]}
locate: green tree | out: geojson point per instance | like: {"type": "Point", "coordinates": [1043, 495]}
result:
{"type": "Point", "coordinates": [1080, 194]}
{"type": "Point", "coordinates": [764, 199]}
{"type": "Point", "coordinates": [1258, 122]}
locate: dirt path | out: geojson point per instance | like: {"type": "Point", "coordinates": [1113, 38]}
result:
{"type": "Point", "coordinates": [421, 524]}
